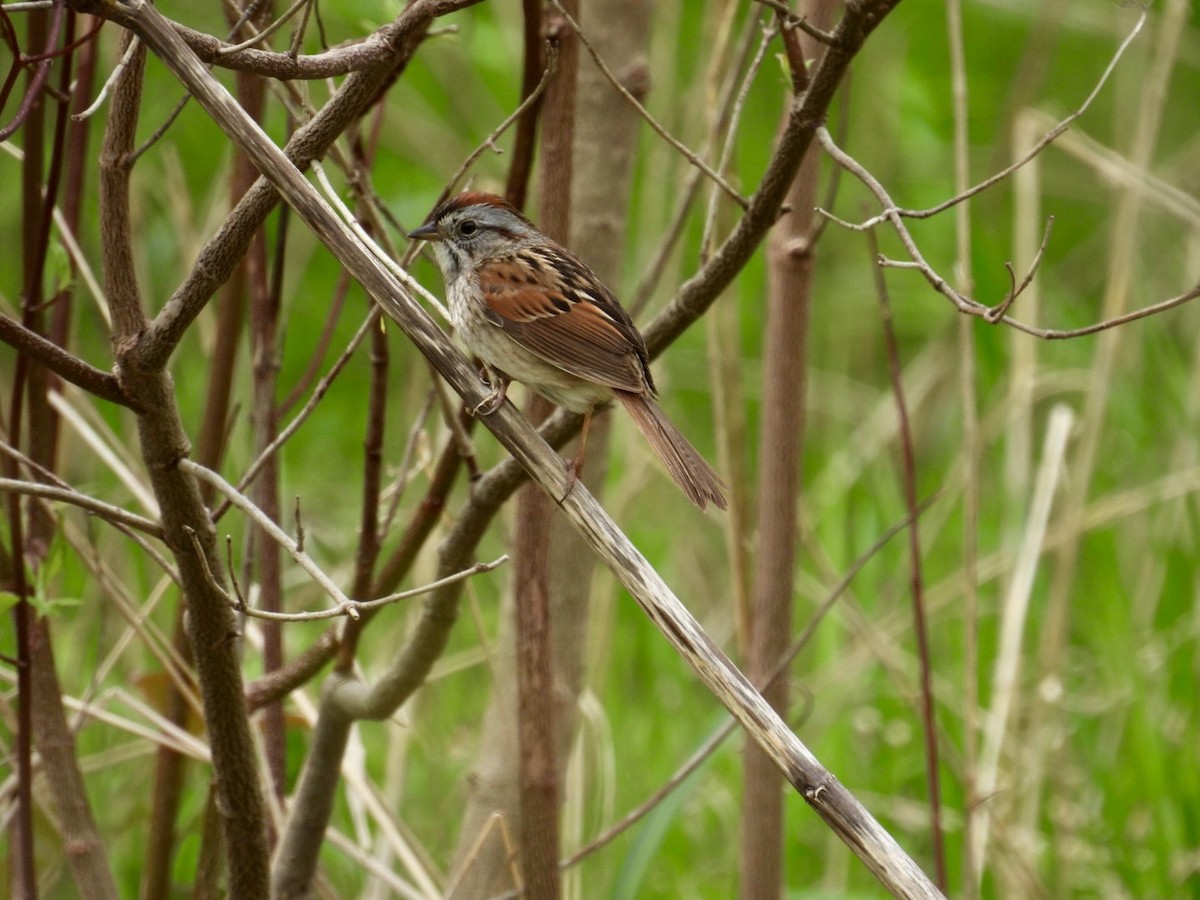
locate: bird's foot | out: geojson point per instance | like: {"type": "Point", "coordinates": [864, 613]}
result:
{"type": "Point", "coordinates": [495, 399]}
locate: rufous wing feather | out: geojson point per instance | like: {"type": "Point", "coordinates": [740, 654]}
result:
{"type": "Point", "coordinates": [532, 303]}
{"type": "Point", "coordinates": [683, 461]}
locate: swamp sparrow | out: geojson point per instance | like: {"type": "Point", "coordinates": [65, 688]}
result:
{"type": "Point", "coordinates": [534, 312]}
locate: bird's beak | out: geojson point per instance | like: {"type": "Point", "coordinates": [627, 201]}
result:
{"type": "Point", "coordinates": [427, 232]}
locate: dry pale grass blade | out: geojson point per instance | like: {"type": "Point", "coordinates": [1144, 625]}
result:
{"type": "Point", "coordinates": [136, 613]}
{"type": "Point", "coordinates": [384, 874]}
{"type": "Point", "coordinates": [155, 729]}
{"type": "Point", "coordinates": [83, 419]}
{"type": "Point", "coordinates": [1014, 615]}
{"type": "Point", "coordinates": [1023, 353]}
{"type": "Point", "coordinates": [1118, 171]}
{"type": "Point", "coordinates": [391, 792]}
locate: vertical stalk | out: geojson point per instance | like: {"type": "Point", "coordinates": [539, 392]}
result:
{"type": "Point", "coordinates": [790, 257]}
{"type": "Point", "coordinates": [536, 736]}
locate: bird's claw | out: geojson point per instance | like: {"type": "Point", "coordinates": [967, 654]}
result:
{"type": "Point", "coordinates": [494, 400]}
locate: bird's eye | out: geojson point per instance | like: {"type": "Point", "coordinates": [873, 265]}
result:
{"type": "Point", "coordinates": [468, 228]}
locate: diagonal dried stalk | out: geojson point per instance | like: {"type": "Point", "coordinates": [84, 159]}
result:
{"type": "Point", "coordinates": [844, 814]}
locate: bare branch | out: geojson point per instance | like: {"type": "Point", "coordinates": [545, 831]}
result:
{"type": "Point", "coordinates": [1052, 334]}
{"type": "Point", "coordinates": [373, 50]}
{"type": "Point", "coordinates": [64, 364]}
{"type": "Point", "coordinates": [261, 36]}
{"type": "Point", "coordinates": [964, 303]}
{"type": "Point", "coordinates": [789, 19]}
{"type": "Point", "coordinates": [365, 605]}
{"type": "Point", "coordinates": [76, 498]}
{"type": "Point", "coordinates": [345, 605]}
{"type": "Point", "coordinates": [1049, 138]}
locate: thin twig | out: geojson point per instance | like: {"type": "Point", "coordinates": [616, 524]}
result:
{"type": "Point", "coordinates": [129, 531]}
{"type": "Point", "coordinates": [791, 20]}
{"type": "Point", "coordinates": [996, 313]}
{"type": "Point", "coordinates": [109, 82]}
{"type": "Point", "coordinates": [686, 195]}
{"type": "Point", "coordinates": [489, 142]}
{"type": "Point", "coordinates": [240, 605]}
{"type": "Point", "coordinates": [366, 605]}
{"type": "Point", "coordinates": [345, 604]}
{"type": "Point", "coordinates": [964, 303]}
{"type": "Point", "coordinates": [105, 511]}
{"type": "Point", "coordinates": [1037, 148]}
{"type": "Point", "coordinates": [209, 577]}
{"type": "Point", "coordinates": [731, 133]}
{"type": "Point", "coordinates": [266, 32]}
{"type": "Point", "coordinates": [916, 574]}
{"type": "Point", "coordinates": [372, 320]}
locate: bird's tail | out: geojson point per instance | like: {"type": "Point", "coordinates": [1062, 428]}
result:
{"type": "Point", "coordinates": [683, 461]}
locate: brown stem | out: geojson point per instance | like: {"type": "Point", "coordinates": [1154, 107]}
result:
{"type": "Point", "coordinates": [525, 135]}
{"type": "Point", "coordinates": [56, 747]}
{"type": "Point", "coordinates": [264, 319]}
{"type": "Point", "coordinates": [23, 874]}
{"type": "Point", "coordinates": [262, 295]}
{"type": "Point", "coordinates": [63, 363]}
{"type": "Point", "coordinates": [790, 255]}
{"type": "Point", "coordinates": [169, 770]}
{"type": "Point", "coordinates": [538, 777]}
{"type": "Point", "coordinates": [32, 116]}
{"type": "Point", "coordinates": [916, 579]}
{"type": "Point", "coordinates": [536, 737]}
{"type": "Point", "coordinates": [55, 742]}
{"type": "Point", "coordinates": [367, 554]}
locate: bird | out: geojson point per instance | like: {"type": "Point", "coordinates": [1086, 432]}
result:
{"type": "Point", "coordinates": [535, 313]}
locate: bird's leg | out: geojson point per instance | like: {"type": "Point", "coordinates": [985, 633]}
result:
{"type": "Point", "coordinates": [493, 401]}
{"type": "Point", "coordinates": [575, 466]}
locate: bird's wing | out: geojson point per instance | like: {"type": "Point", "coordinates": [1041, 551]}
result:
{"type": "Point", "coordinates": [555, 307]}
